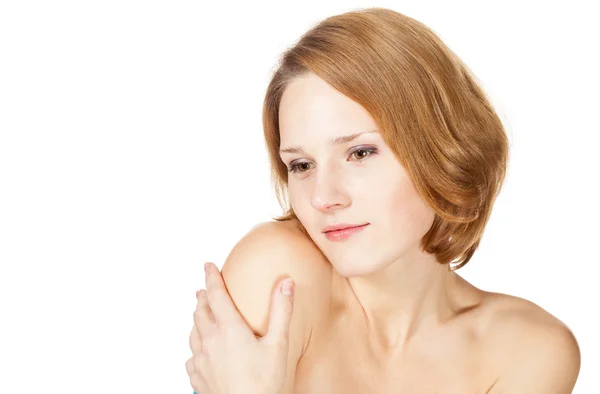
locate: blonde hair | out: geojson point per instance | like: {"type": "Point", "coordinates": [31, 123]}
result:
{"type": "Point", "coordinates": [428, 107]}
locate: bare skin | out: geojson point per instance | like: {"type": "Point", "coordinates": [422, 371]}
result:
{"type": "Point", "coordinates": [466, 353]}
{"type": "Point", "coordinates": [390, 318]}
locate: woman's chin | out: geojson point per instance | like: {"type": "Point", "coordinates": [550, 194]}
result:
{"type": "Point", "coordinates": [351, 267]}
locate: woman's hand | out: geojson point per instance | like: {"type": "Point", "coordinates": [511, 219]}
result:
{"type": "Point", "coordinates": [227, 357]}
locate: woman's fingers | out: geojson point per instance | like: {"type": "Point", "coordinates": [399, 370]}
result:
{"type": "Point", "coordinates": [195, 341]}
{"type": "Point", "coordinates": [204, 325]}
{"type": "Point", "coordinates": [219, 299]}
{"type": "Point", "coordinates": [196, 381]}
{"type": "Point", "coordinates": [204, 320]}
{"type": "Point", "coordinates": [189, 366]}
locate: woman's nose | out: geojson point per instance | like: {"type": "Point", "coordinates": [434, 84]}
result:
{"type": "Point", "coordinates": [328, 193]}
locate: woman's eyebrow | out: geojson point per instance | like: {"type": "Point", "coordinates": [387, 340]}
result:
{"type": "Point", "coordinates": [336, 141]}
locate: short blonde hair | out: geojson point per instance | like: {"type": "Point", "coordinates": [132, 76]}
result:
{"type": "Point", "coordinates": [429, 109]}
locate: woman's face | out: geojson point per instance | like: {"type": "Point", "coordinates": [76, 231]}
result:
{"type": "Point", "coordinates": [354, 182]}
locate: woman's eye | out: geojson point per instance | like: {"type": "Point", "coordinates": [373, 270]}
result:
{"type": "Point", "coordinates": [366, 151]}
{"type": "Point", "coordinates": [363, 153]}
{"type": "Point", "coordinates": [294, 167]}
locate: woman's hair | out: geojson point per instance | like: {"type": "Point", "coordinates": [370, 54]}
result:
{"type": "Point", "coordinates": [428, 107]}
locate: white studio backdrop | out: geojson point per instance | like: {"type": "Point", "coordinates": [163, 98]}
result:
{"type": "Point", "coordinates": [131, 151]}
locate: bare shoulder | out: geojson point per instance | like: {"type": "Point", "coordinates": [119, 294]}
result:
{"type": "Point", "coordinates": [269, 252]}
{"type": "Point", "coordinates": [532, 350]}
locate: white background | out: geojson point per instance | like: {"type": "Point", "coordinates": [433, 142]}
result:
{"type": "Point", "coordinates": [131, 151]}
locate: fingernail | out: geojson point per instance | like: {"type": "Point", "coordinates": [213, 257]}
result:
{"type": "Point", "coordinates": [197, 293]}
{"type": "Point", "coordinates": [287, 288]}
{"type": "Point", "coordinates": [206, 268]}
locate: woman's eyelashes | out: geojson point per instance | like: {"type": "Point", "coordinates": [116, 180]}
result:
{"type": "Point", "coordinates": [368, 151]}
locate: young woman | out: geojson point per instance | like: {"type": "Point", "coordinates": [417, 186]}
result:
{"type": "Point", "coordinates": [391, 157]}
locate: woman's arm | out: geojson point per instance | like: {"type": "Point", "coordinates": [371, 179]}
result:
{"type": "Point", "coordinates": [257, 263]}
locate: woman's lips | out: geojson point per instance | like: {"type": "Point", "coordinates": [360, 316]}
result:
{"type": "Point", "coordinates": [342, 235]}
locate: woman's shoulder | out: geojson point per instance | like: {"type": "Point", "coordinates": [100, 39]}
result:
{"type": "Point", "coordinates": [524, 340]}
{"type": "Point", "coordinates": [269, 252]}
{"type": "Point", "coordinates": [515, 317]}
{"type": "Point", "coordinates": [286, 239]}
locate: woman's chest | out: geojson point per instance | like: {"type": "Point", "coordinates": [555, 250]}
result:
{"type": "Point", "coordinates": [337, 361]}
